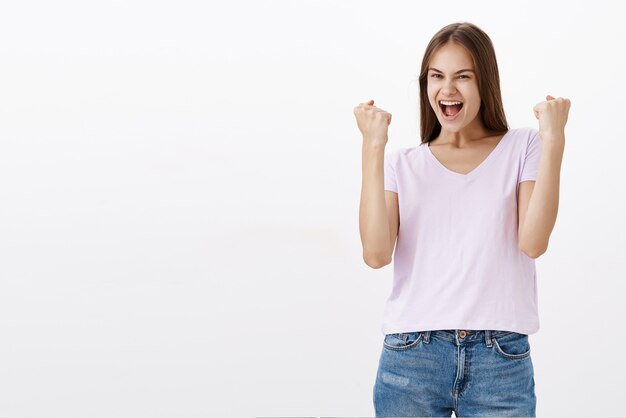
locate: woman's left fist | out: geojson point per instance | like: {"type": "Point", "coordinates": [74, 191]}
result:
{"type": "Point", "coordinates": [552, 115]}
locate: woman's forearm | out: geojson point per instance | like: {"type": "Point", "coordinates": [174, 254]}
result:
{"type": "Point", "coordinates": [543, 205]}
{"type": "Point", "coordinates": [373, 220]}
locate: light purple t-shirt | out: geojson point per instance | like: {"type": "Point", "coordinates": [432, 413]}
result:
{"type": "Point", "coordinates": [457, 264]}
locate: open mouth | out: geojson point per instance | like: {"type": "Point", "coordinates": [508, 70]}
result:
{"type": "Point", "coordinates": [451, 109]}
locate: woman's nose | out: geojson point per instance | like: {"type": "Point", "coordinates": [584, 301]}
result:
{"type": "Point", "coordinates": [449, 89]}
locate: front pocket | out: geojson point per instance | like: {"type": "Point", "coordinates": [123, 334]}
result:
{"type": "Point", "coordinates": [513, 346]}
{"type": "Point", "coordinates": [402, 341]}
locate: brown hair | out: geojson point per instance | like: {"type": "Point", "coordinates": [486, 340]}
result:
{"type": "Point", "coordinates": [479, 46]}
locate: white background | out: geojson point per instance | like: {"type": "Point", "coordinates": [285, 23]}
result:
{"type": "Point", "coordinates": [179, 195]}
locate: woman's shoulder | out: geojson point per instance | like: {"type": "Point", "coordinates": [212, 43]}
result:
{"type": "Point", "coordinates": [524, 131]}
{"type": "Point", "coordinates": [398, 154]}
{"type": "Point", "coordinates": [398, 151]}
{"type": "Point", "coordinates": [522, 137]}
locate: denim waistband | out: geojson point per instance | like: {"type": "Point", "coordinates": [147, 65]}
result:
{"type": "Point", "coordinates": [466, 336]}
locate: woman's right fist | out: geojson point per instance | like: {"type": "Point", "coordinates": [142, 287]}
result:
{"type": "Point", "coordinates": [372, 122]}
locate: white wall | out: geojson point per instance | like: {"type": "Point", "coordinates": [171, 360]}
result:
{"type": "Point", "coordinates": [179, 194]}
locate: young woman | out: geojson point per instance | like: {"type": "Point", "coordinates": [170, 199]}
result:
{"type": "Point", "coordinates": [470, 207]}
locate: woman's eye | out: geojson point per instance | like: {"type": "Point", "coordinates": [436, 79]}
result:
{"type": "Point", "coordinates": [438, 75]}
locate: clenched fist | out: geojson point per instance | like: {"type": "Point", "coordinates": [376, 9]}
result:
{"type": "Point", "coordinates": [552, 116]}
{"type": "Point", "coordinates": [373, 123]}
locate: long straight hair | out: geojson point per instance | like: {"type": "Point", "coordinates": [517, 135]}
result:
{"type": "Point", "coordinates": [480, 47]}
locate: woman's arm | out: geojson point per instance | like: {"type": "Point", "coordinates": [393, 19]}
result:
{"type": "Point", "coordinates": [537, 223]}
{"type": "Point", "coordinates": [378, 209]}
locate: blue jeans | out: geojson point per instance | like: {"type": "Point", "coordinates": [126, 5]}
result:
{"type": "Point", "coordinates": [471, 372]}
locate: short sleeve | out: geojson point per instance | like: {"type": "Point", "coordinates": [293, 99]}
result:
{"type": "Point", "coordinates": [530, 163]}
{"type": "Point", "coordinates": [390, 172]}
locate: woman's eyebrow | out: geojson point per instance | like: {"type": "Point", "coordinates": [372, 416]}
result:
{"type": "Point", "coordinates": [460, 71]}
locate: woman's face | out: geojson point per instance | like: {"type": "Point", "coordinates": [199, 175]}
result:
{"type": "Point", "coordinates": [447, 82]}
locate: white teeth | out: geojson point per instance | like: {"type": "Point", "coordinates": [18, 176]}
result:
{"type": "Point", "coordinates": [444, 102]}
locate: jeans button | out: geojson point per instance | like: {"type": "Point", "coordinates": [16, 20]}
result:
{"type": "Point", "coordinates": [462, 334]}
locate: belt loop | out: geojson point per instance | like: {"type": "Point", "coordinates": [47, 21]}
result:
{"type": "Point", "coordinates": [426, 336]}
{"type": "Point", "coordinates": [488, 338]}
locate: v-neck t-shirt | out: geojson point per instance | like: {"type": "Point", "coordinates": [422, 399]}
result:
{"type": "Point", "coordinates": [457, 264]}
